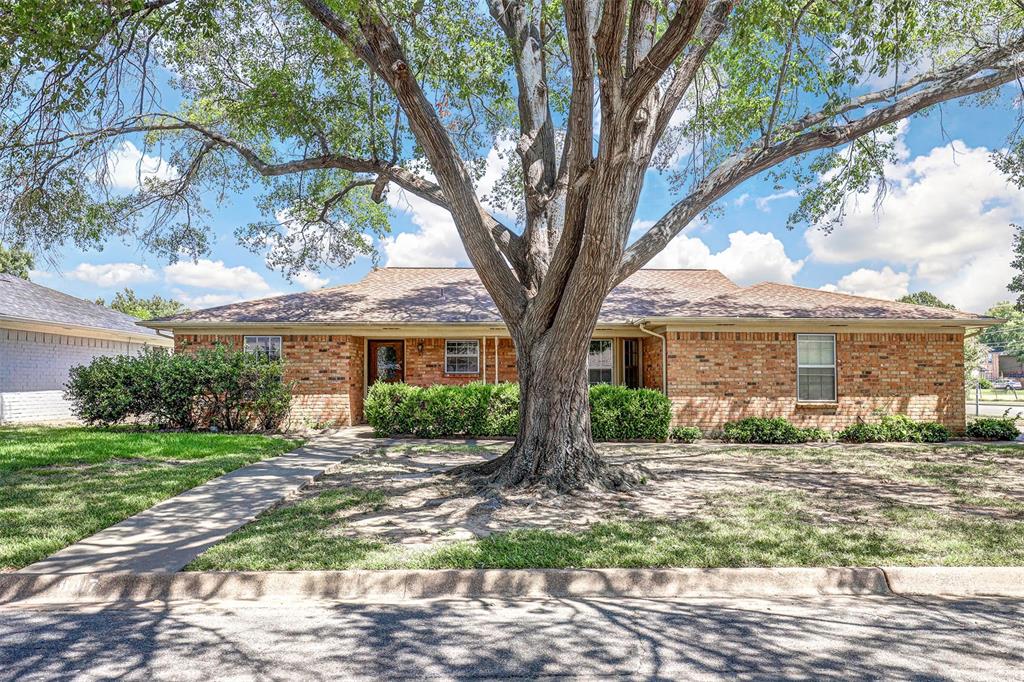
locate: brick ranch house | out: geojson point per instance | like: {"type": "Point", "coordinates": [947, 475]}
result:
{"type": "Point", "coordinates": [719, 351]}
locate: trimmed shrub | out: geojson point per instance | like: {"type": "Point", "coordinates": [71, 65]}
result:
{"type": "Point", "coordinates": [770, 430]}
{"type": "Point", "coordinates": [387, 408]}
{"type": "Point", "coordinates": [102, 391]}
{"type": "Point", "coordinates": [685, 434]}
{"type": "Point", "coordinates": [475, 410]}
{"type": "Point", "coordinates": [895, 428]}
{"type": "Point", "coordinates": [618, 413]}
{"type": "Point", "coordinates": [993, 428]}
{"type": "Point", "coordinates": [230, 390]}
{"type": "Point", "coordinates": [984, 382]}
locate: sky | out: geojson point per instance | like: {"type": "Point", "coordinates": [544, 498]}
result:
{"type": "Point", "coordinates": [945, 226]}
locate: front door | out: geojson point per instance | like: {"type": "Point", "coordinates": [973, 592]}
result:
{"type": "Point", "coordinates": [386, 358]}
{"type": "Point", "coordinates": [631, 363]}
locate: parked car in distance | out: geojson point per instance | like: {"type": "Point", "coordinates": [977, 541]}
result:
{"type": "Point", "coordinates": [1007, 384]}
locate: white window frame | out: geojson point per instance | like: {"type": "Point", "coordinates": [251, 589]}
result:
{"type": "Point", "coordinates": [833, 367]}
{"type": "Point", "coordinates": [475, 356]}
{"type": "Point", "coordinates": [611, 364]}
{"type": "Point", "coordinates": [252, 344]}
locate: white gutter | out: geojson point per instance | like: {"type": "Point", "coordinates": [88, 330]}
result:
{"type": "Point", "coordinates": [664, 355]}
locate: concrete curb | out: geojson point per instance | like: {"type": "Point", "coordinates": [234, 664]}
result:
{"type": "Point", "coordinates": [498, 583]}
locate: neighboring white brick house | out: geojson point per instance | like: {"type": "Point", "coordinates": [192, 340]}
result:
{"type": "Point", "coordinates": [43, 334]}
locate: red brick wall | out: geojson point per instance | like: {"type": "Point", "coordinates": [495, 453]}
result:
{"type": "Point", "coordinates": [650, 360]}
{"type": "Point", "coordinates": [326, 371]}
{"type": "Point", "coordinates": [426, 367]}
{"type": "Point", "coordinates": [715, 377]}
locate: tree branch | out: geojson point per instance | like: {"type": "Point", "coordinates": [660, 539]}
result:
{"type": "Point", "coordinates": [379, 47]}
{"type": "Point", "coordinates": [681, 29]}
{"type": "Point", "coordinates": [712, 26]}
{"type": "Point", "coordinates": [954, 83]}
{"type": "Point", "coordinates": [536, 146]}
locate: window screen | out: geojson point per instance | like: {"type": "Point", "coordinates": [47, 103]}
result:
{"type": "Point", "coordinates": [267, 346]}
{"type": "Point", "coordinates": [462, 357]}
{"type": "Point", "coordinates": [816, 367]}
{"type": "Point", "coordinates": [600, 361]}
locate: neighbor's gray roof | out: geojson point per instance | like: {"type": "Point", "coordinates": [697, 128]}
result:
{"type": "Point", "coordinates": [26, 301]}
{"type": "Point", "coordinates": [452, 295]}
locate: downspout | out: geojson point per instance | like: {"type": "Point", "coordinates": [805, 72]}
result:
{"type": "Point", "coordinates": [664, 355]}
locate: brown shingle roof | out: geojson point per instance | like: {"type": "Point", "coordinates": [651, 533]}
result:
{"type": "Point", "coordinates": [453, 295]}
{"type": "Point", "coordinates": [431, 295]}
{"type": "Point", "coordinates": [783, 301]}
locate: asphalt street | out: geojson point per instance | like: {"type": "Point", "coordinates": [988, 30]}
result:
{"type": "Point", "coordinates": [821, 638]}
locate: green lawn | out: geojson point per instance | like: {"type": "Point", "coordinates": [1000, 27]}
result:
{"type": "Point", "coordinates": [997, 396]}
{"type": "Point", "coordinates": [929, 505]}
{"type": "Point", "coordinates": [58, 485]}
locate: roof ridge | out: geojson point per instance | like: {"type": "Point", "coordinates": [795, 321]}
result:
{"type": "Point", "coordinates": [888, 301]}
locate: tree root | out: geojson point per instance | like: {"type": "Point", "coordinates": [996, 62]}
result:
{"type": "Point", "coordinates": [602, 477]}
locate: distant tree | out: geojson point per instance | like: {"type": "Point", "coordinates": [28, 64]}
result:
{"type": "Point", "coordinates": [1017, 283]}
{"type": "Point", "coordinates": [156, 305]}
{"type": "Point", "coordinates": [926, 298]}
{"type": "Point", "coordinates": [974, 353]}
{"type": "Point", "coordinates": [1009, 336]}
{"type": "Point", "coordinates": [15, 261]}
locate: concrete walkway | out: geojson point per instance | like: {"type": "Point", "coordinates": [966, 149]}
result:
{"type": "Point", "coordinates": [167, 536]}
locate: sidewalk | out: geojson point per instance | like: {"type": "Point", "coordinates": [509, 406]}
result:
{"type": "Point", "coordinates": [167, 536]}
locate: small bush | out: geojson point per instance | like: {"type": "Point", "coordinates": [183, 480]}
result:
{"type": "Point", "coordinates": [618, 413]}
{"type": "Point", "coordinates": [685, 434]}
{"type": "Point", "coordinates": [230, 390]}
{"type": "Point", "coordinates": [773, 430]}
{"type": "Point", "coordinates": [895, 428]}
{"type": "Point", "coordinates": [474, 410]}
{"type": "Point", "coordinates": [984, 382]}
{"type": "Point", "coordinates": [993, 428]}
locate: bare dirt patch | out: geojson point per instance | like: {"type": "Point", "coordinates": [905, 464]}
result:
{"type": "Point", "coordinates": [843, 483]}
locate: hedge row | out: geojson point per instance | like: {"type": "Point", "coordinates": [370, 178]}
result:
{"type": "Point", "coordinates": [487, 410]}
{"type": "Point", "coordinates": [895, 428]}
{"type": "Point", "coordinates": [993, 428]}
{"type": "Point", "coordinates": [229, 390]}
{"type": "Point", "coordinates": [770, 430]}
{"type": "Point", "coordinates": [890, 429]}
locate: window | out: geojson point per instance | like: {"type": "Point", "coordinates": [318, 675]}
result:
{"type": "Point", "coordinates": [267, 346]}
{"type": "Point", "coordinates": [599, 362]}
{"type": "Point", "coordinates": [462, 357]}
{"type": "Point", "coordinates": [816, 367]}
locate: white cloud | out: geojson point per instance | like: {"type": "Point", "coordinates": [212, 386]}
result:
{"type": "Point", "coordinates": [310, 280]}
{"type": "Point", "coordinates": [208, 274]}
{"type": "Point", "coordinates": [127, 166]}
{"type": "Point", "coordinates": [436, 242]}
{"type": "Point", "coordinates": [109, 275]}
{"type": "Point", "coordinates": [762, 203]}
{"type": "Point", "coordinates": [199, 301]}
{"type": "Point", "coordinates": [741, 199]}
{"type": "Point", "coordinates": [750, 257]}
{"type": "Point", "coordinates": [885, 283]}
{"type": "Point", "coordinates": [946, 219]}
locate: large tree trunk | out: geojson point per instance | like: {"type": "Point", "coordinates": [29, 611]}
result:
{"type": "Point", "coordinates": [554, 447]}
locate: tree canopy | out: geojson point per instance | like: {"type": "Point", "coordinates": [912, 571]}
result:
{"type": "Point", "coordinates": [156, 305]}
{"type": "Point", "coordinates": [299, 100]}
{"type": "Point", "coordinates": [926, 298]}
{"type": "Point", "coordinates": [15, 261]}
